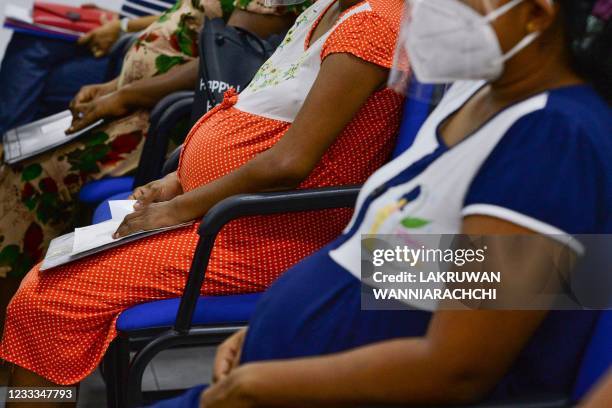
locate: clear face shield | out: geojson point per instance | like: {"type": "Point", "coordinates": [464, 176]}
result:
{"type": "Point", "coordinates": [277, 3]}
{"type": "Point", "coordinates": [443, 41]}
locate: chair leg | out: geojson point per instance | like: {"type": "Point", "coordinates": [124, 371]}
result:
{"type": "Point", "coordinates": [133, 389]}
{"type": "Point", "coordinates": [116, 366]}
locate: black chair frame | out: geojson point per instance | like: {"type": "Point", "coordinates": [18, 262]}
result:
{"type": "Point", "coordinates": [123, 375]}
{"type": "Point", "coordinates": [117, 54]}
{"type": "Point", "coordinates": [166, 114]}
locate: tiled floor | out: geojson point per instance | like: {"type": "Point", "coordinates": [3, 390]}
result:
{"type": "Point", "coordinates": [170, 370]}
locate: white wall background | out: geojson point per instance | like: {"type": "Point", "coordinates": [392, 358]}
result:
{"type": "Point", "coordinates": [5, 35]}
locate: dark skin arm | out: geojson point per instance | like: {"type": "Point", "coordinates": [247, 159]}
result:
{"type": "Point", "coordinates": [102, 101]}
{"type": "Point", "coordinates": [464, 353]}
{"type": "Point", "coordinates": [602, 395]}
{"type": "Point", "coordinates": [331, 104]}
{"type": "Point", "coordinates": [101, 40]}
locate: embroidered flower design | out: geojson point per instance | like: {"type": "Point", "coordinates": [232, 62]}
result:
{"type": "Point", "coordinates": [411, 222]}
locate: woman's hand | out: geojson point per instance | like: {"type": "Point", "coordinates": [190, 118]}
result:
{"type": "Point", "coordinates": [90, 92]}
{"type": "Point", "coordinates": [161, 190]}
{"type": "Point", "coordinates": [228, 356]}
{"type": "Point", "coordinates": [153, 216]}
{"type": "Point", "coordinates": [233, 391]}
{"type": "Point", "coordinates": [100, 40]}
{"type": "Point", "coordinates": [107, 106]}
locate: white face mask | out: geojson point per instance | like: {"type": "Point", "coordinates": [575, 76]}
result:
{"type": "Point", "coordinates": [449, 41]}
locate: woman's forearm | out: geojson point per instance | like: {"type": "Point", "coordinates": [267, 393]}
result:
{"type": "Point", "coordinates": [401, 371]}
{"type": "Point", "coordinates": [111, 86]}
{"type": "Point", "coordinates": [147, 92]}
{"type": "Point", "coordinates": [463, 355]}
{"type": "Point", "coordinates": [601, 396]}
{"type": "Point", "coordinates": [140, 23]}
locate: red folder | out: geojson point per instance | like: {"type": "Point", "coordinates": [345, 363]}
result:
{"type": "Point", "coordinates": [78, 19]}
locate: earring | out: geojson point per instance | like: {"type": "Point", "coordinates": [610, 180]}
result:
{"type": "Point", "coordinates": [531, 26]}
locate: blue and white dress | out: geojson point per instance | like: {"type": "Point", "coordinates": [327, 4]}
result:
{"type": "Point", "coordinates": [543, 163]}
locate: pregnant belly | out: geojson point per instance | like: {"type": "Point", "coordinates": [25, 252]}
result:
{"type": "Point", "coordinates": [224, 141]}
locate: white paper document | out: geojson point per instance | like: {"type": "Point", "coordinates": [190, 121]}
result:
{"type": "Point", "coordinates": [38, 137]}
{"type": "Point", "coordinates": [96, 238]}
{"type": "Point", "coordinates": [120, 208]}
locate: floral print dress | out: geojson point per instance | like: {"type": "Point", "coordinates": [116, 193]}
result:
{"type": "Point", "coordinates": [38, 196]}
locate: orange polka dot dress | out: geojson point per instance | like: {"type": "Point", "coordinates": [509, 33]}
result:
{"type": "Point", "coordinates": [61, 321]}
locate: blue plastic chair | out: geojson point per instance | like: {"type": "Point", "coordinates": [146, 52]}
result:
{"type": "Point", "coordinates": [153, 327]}
{"type": "Point", "coordinates": [102, 212]}
{"type": "Point", "coordinates": [97, 191]}
{"type": "Point", "coordinates": [415, 113]}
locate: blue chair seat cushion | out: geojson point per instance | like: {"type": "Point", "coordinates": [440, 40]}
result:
{"type": "Point", "coordinates": [210, 310]}
{"type": "Point", "coordinates": [97, 191]}
{"type": "Point", "coordinates": [102, 212]}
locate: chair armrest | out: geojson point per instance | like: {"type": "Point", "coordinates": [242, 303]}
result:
{"type": "Point", "coordinates": [244, 206]}
{"type": "Point", "coordinates": [117, 54]}
{"type": "Point", "coordinates": [172, 162]}
{"type": "Point", "coordinates": [276, 203]}
{"type": "Point", "coordinates": [156, 144]}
